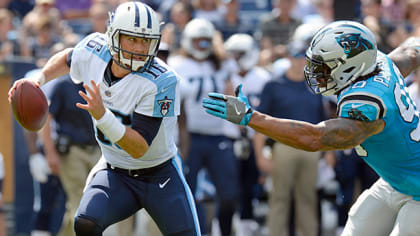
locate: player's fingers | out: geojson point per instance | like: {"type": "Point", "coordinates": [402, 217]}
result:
{"type": "Point", "coordinates": [89, 90]}
{"type": "Point", "coordinates": [82, 106]}
{"type": "Point", "coordinates": [215, 113]}
{"type": "Point", "coordinates": [214, 102]}
{"type": "Point", "coordinates": [11, 92]}
{"type": "Point", "coordinates": [85, 96]}
{"type": "Point", "coordinates": [218, 96]}
{"type": "Point", "coordinates": [214, 107]}
{"type": "Point", "coordinates": [95, 87]}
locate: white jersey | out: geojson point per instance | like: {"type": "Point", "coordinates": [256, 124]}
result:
{"type": "Point", "coordinates": [197, 80]}
{"type": "Point", "coordinates": [153, 93]}
{"type": "Point", "coordinates": [252, 85]}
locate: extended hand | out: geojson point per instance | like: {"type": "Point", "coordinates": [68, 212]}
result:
{"type": "Point", "coordinates": [94, 105]}
{"type": "Point", "coordinates": [234, 109]}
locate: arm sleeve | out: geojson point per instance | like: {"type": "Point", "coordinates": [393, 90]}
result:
{"type": "Point", "coordinates": [146, 126]}
{"type": "Point", "coordinates": [362, 107]}
{"type": "Point", "coordinates": [163, 100]}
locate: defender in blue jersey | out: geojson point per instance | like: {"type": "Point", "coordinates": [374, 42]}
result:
{"type": "Point", "coordinates": [375, 115]}
{"type": "Point", "coordinates": [134, 102]}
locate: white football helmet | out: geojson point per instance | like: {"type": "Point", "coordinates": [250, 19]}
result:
{"type": "Point", "coordinates": [243, 49]}
{"type": "Point", "coordinates": [198, 28]}
{"type": "Point", "coordinates": [339, 53]}
{"type": "Point", "coordinates": [134, 19]}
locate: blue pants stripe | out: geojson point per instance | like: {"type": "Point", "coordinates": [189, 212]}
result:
{"type": "Point", "coordinates": [177, 162]}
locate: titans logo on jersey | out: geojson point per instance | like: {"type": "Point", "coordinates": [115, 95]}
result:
{"type": "Point", "coordinates": [353, 44]}
{"type": "Point", "coordinates": [154, 93]}
{"type": "Point", "coordinates": [386, 97]}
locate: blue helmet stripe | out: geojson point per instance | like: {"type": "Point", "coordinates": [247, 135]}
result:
{"type": "Point", "coordinates": [137, 18]}
{"type": "Point", "coordinates": [149, 18]}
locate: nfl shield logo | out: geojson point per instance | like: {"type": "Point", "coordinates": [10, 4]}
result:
{"type": "Point", "coordinates": [164, 105]}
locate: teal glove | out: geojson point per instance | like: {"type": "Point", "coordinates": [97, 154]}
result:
{"type": "Point", "coordinates": [234, 109]}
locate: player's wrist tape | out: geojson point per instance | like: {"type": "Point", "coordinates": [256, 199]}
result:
{"type": "Point", "coordinates": [112, 128]}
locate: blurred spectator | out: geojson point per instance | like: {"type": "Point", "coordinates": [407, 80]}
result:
{"type": "Point", "coordinates": [21, 7]}
{"type": "Point", "coordinates": [44, 39]}
{"type": "Point", "coordinates": [42, 8]}
{"type": "Point", "coordinates": [276, 29]}
{"type": "Point", "coordinates": [4, 3]}
{"type": "Point", "coordinates": [74, 9]}
{"type": "Point", "coordinates": [98, 17]}
{"type": "Point", "coordinates": [294, 172]}
{"type": "Point", "coordinates": [211, 10]}
{"type": "Point", "coordinates": [232, 23]}
{"type": "Point", "coordinates": [9, 44]}
{"type": "Point", "coordinates": [346, 10]}
{"type": "Point", "coordinates": [413, 16]}
{"type": "Point", "coordinates": [373, 19]}
{"type": "Point", "coordinates": [324, 12]}
{"type": "Point", "coordinates": [243, 49]}
{"type": "Point", "coordinates": [180, 15]}
{"type": "Point", "coordinates": [203, 140]}
{"type": "Point", "coordinates": [49, 196]}
{"type": "Point", "coordinates": [394, 10]}
{"type": "Point", "coordinates": [303, 8]}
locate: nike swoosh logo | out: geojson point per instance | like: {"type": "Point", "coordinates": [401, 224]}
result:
{"type": "Point", "coordinates": [236, 110]}
{"type": "Point", "coordinates": [164, 89]}
{"type": "Point", "coordinates": [356, 106]}
{"type": "Point", "coordinates": [162, 185]}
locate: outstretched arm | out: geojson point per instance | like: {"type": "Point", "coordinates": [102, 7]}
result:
{"type": "Point", "coordinates": [407, 55]}
{"type": "Point", "coordinates": [333, 134]}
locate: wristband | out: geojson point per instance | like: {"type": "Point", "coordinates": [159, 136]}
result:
{"type": "Point", "coordinates": [112, 128]}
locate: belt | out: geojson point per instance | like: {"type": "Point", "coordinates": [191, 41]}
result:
{"type": "Point", "coordinates": [138, 172]}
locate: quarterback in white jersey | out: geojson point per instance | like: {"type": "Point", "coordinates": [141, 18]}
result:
{"type": "Point", "coordinates": [134, 102]}
{"type": "Point", "coordinates": [152, 93]}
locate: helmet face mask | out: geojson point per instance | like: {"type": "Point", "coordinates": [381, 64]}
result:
{"type": "Point", "coordinates": [339, 53]}
{"type": "Point", "coordinates": [318, 78]}
{"type": "Point", "coordinates": [137, 20]}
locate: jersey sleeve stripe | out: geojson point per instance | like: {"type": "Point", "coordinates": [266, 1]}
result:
{"type": "Point", "coordinates": [360, 98]}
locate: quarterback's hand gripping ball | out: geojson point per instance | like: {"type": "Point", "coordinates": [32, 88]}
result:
{"type": "Point", "coordinates": [29, 105]}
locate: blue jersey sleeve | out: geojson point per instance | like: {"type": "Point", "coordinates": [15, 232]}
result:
{"type": "Point", "coordinates": [364, 107]}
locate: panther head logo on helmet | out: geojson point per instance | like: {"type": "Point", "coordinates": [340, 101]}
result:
{"type": "Point", "coordinates": [353, 44]}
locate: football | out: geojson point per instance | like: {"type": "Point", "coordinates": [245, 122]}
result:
{"type": "Point", "coordinates": [29, 106]}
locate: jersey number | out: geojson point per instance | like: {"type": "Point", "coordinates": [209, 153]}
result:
{"type": "Point", "coordinates": [407, 110]}
{"type": "Point", "coordinates": [125, 119]}
{"type": "Point", "coordinates": [200, 86]}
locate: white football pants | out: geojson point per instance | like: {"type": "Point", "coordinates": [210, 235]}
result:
{"type": "Point", "coordinates": [381, 211]}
